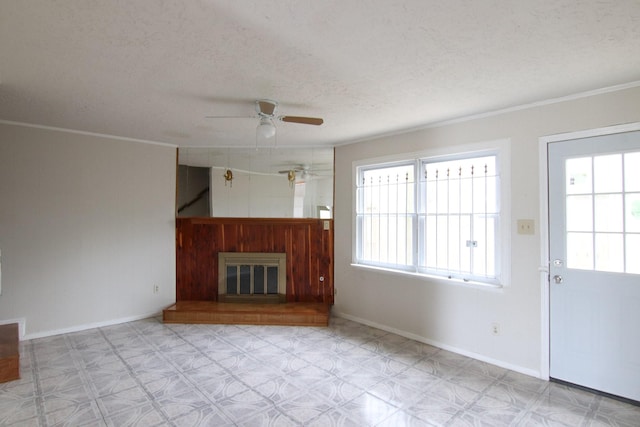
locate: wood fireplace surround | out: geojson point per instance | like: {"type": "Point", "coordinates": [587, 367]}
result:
{"type": "Point", "coordinates": [307, 243]}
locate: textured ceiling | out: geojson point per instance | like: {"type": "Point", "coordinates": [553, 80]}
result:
{"type": "Point", "coordinates": [153, 70]}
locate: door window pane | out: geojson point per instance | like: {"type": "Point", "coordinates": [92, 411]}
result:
{"type": "Point", "coordinates": [579, 213]}
{"type": "Point", "coordinates": [609, 252]}
{"type": "Point", "coordinates": [633, 249]}
{"type": "Point", "coordinates": [632, 213]}
{"type": "Point", "coordinates": [632, 171]}
{"type": "Point", "coordinates": [608, 212]}
{"type": "Point", "coordinates": [578, 175]}
{"type": "Point", "coordinates": [580, 251]}
{"type": "Point", "coordinates": [607, 173]}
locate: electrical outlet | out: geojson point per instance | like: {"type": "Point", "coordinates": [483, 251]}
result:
{"type": "Point", "coordinates": [156, 289]}
{"type": "Point", "coordinates": [495, 328]}
{"type": "Point", "coordinates": [526, 226]}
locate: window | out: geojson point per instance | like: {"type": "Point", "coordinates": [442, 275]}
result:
{"type": "Point", "coordinates": [459, 219]}
{"type": "Point", "coordinates": [603, 212]}
{"type": "Point", "coordinates": [437, 216]}
{"type": "Point", "coordinates": [387, 215]}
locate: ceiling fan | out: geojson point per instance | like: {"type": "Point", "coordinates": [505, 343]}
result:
{"type": "Point", "coordinates": [266, 109]}
{"type": "Point", "coordinates": [299, 171]}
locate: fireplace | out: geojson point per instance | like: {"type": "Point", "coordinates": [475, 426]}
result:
{"type": "Point", "coordinates": [252, 277]}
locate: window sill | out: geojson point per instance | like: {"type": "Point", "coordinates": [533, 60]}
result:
{"type": "Point", "coordinates": [432, 278]}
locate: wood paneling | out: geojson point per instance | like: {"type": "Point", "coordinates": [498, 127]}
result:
{"type": "Point", "coordinates": [309, 249]}
{"type": "Point", "coordinates": [9, 353]}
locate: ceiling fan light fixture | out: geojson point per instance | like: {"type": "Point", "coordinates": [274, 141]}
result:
{"type": "Point", "coordinates": [266, 129]}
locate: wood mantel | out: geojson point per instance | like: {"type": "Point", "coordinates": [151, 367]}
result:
{"type": "Point", "coordinates": [308, 244]}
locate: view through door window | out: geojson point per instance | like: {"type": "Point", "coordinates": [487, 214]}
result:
{"type": "Point", "coordinates": [603, 212]}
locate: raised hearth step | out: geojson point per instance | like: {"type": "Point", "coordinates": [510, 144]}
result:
{"type": "Point", "coordinates": [244, 313]}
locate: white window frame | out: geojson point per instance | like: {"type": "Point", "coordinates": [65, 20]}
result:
{"type": "Point", "coordinates": [499, 148]}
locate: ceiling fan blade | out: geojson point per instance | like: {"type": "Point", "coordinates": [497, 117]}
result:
{"type": "Point", "coordinates": [303, 120]}
{"type": "Point", "coordinates": [230, 117]}
{"type": "Point", "coordinates": [266, 107]}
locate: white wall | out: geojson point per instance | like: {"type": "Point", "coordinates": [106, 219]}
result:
{"type": "Point", "coordinates": [86, 229]}
{"type": "Point", "coordinates": [459, 317]}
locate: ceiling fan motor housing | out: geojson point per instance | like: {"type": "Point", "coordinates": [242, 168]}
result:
{"type": "Point", "coordinates": [266, 107]}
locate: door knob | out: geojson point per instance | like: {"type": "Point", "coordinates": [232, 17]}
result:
{"type": "Point", "coordinates": [557, 279]}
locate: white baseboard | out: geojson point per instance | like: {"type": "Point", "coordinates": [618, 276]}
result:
{"type": "Point", "coordinates": [87, 326]}
{"type": "Point", "coordinates": [496, 362]}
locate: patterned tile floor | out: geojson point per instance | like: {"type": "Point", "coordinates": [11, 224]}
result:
{"type": "Point", "coordinates": [147, 373]}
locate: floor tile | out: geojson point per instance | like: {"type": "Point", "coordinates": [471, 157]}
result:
{"type": "Point", "coordinates": [272, 417]}
{"type": "Point", "coordinates": [14, 412]}
{"type": "Point", "coordinates": [368, 409]}
{"type": "Point", "coordinates": [617, 411]}
{"type": "Point", "coordinates": [16, 390]}
{"type": "Point", "coordinates": [222, 387]}
{"type": "Point", "coordinates": [472, 380]}
{"type": "Point", "coordinates": [337, 391]}
{"type": "Point", "coordinates": [394, 391]}
{"type": "Point", "coordinates": [434, 410]}
{"type": "Point", "coordinates": [385, 365]}
{"type": "Point", "coordinates": [495, 412]}
{"type": "Point", "coordinates": [402, 418]}
{"type": "Point", "coordinates": [506, 392]}
{"type": "Point", "coordinates": [207, 416]}
{"type": "Point", "coordinates": [106, 384]}
{"type": "Point", "coordinates": [143, 415]}
{"type": "Point", "coordinates": [278, 389]}
{"type": "Point", "coordinates": [305, 407]}
{"type": "Point", "coordinates": [244, 405]}
{"type": "Point", "coordinates": [436, 367]}
{"type": "Point", "coordinates": [454, 394]}
{"type": "Point", "coordinates": [347, 374]}
{"type": "Point", "coordinates": [82, 414]}
{"type": "Point", "coordinates": [334, 418]}
{"type": "Point", "coordinates": [417, 379]}
{"type": "Point", "coordinates": [68, 397]}
{"type": "Point", "coordinates": [571, 395]}
{"type": "Point", "coordinates": [560, 412]}
{"type": "Point", "coordinates": [181, 404]}
{"type": "Point", "coordinates": [126, 400]}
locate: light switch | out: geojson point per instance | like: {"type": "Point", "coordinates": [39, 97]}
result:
{"type": "Point", "coordinates": [526, 226]}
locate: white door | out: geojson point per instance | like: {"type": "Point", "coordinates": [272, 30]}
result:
{"type": "Point", "coordinates": [594, 226]}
